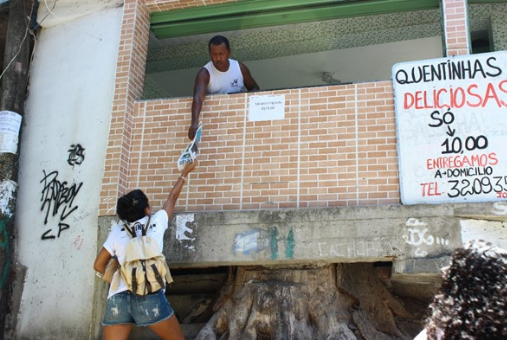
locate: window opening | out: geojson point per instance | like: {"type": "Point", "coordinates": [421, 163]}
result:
{"type": "Point", "coordinates": [361, 44]}
{"type": "Point", "coordinates": [486, 21]}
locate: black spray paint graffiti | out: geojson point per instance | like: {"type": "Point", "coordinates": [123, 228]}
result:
{"type": "Point", "coordinates": [76, 154]}
{"type": "Point", "coordinates": [56, 195]}
{"type": "Point", "coordinates": [59, 196]}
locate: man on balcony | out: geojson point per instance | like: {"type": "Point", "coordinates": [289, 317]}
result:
{"type": "Point", "coordinates": [219, 76]}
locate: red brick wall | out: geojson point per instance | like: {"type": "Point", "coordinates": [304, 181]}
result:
{"type": "Point", "coordinates": [128, 87]}
{"type": "Point", "coordinates": [457, 40]}
{"type": "Point", "coordinates": [167, 5]}
{"type": "Point", "coordinates": [336, 145]}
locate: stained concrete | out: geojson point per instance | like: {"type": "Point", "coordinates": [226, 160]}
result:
{"type": "Point", "coordinates": [418, 239]}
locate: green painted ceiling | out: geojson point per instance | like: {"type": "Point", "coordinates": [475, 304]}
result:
{"type": "Point", "coordinates": [269, 13]}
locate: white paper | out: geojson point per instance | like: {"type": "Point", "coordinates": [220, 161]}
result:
{"type": "Point", "coordinates": [266, 108]}
{"type": "Point", "coordinates": [10, 123]}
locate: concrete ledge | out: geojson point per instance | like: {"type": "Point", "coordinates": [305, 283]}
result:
{"type": "Point", "coordinates": [417, 238]}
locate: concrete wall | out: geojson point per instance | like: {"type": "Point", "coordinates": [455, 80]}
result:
{"type": "Point", "coordinates": [62, 155]}
{"type": "Point", "coordinates": [418, 239]}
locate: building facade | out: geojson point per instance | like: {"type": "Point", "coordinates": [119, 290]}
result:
{"type": "Point", "coordinates": [320, 183]}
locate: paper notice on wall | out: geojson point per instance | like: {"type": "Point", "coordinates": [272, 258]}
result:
{"type": "Point", "coordinates": [10, 123]}
{"type": "Point", "coordinates": [266, 108]}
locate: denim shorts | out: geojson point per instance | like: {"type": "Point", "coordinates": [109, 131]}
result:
{"type": "Point", "coordinates": [129, 308]}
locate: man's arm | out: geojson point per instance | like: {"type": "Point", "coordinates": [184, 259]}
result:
{"type": "Point", "coordinates": [200, 86]}
{"type": "Point", "coordinates": [175, 192]}
{"type": "Point", "coordinates": [248, 80]}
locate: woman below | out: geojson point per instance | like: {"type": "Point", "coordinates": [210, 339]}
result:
{"type": "Point", "coordinates": [123, 308]}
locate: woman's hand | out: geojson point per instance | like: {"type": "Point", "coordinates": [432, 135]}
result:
{"type": "Point", "coordinates": [189, 168]}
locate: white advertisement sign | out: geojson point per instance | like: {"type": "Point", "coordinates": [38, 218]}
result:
{"type": "Point", "coordinates": [451, 120]}
{"type": "Point", "coordinates": [266, 108]}
{"type": "Point", "coordinates": [10, 123]}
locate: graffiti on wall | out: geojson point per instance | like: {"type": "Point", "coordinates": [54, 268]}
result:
{"type": "Point", "coordinates": [78, 242]}
{"type": "Point", "coordinates": [419, 237]}
{"type": "Point", "coordinates": [76, 155]}
{"type": "Point", "coordinates": [500, 208]}
{"type": "Point", "coordinates": [351, 248]}
{"type": "Point", "coordinates": [57, 196]}
{"type": "Point", "coordinates": [184, 231]}
{"type": "Point", "coordinates": [258, 240]}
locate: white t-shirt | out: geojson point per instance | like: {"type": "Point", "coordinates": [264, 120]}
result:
{"type": "Point", "coordinates": [230, 81]}
{"type": "Point", "coordinates": [116, 243]}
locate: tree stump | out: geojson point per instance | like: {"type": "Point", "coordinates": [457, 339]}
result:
{"type": "Point", "coordinates": [332, 301]}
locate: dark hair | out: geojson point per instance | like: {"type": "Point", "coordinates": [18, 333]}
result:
{"type": "Point", "coordinates": [130, 207]}
{"type": "Point", "coordinates": [217, 40]}
{"type": "Point", "coordinates": [472, 301]}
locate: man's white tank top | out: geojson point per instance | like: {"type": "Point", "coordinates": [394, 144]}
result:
{"type": "Point", "coordinates": [230, 81]}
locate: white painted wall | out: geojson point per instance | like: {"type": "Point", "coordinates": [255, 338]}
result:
{"type": "Point", "coordinates": [69, 103]}
{"type": "Point", "coordinates": [57, 12]}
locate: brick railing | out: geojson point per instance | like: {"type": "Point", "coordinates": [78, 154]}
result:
{"type": "Point", "coordinates": [336, 146]}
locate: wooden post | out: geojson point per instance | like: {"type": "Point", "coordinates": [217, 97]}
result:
{"type": "Point", "coordinates": [12, 98]}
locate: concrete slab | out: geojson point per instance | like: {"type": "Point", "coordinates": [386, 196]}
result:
{"type": "Point", "coordinates": [417, 238]}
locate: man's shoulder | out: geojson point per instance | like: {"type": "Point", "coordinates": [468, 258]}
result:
{"type": "Point", "coordinates": [207, 67]}
{"type": "Point", "coordinates": [203, 74]}
{"type": "Point", "coordinates": [234, 62]}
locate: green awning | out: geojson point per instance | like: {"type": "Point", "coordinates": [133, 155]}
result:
{"type": "Point", "coordinates": [264, 13]}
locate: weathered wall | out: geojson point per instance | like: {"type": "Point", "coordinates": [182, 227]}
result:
{"type": "Point", "coordinates": [59, 12]}
{"type": "Point", "coordinates": [418, 239]}
{"type": "Point", "coordinates": [62, 155]}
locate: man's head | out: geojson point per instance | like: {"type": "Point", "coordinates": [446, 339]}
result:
{"type": "Point", "coordinates": [219, 52]}
{"type": "Point", "coordinates": [218, 40]}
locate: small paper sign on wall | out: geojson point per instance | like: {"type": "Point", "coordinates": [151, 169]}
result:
{"type": "Point", "coordinates": [10, 123]}
{"type": "Point", "coordinates": [266, 108]}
